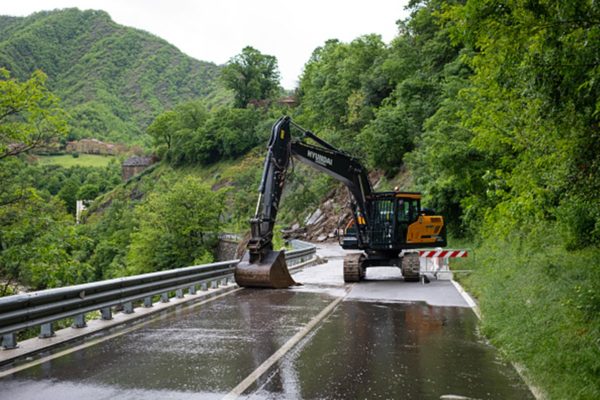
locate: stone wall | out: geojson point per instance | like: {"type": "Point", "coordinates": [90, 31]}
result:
{"type": "Point", "coordinates": [226, 249]}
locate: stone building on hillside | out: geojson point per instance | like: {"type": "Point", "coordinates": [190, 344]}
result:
{"type": "Point", "coordinates": [289, 101]}
{"type": "Point", "coordinates": [134, 165]}
{"type": "Point", "coordinates": [95, 146]}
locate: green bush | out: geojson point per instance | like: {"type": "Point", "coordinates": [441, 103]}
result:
{"type": "Point", "coordinates": [178, 227]}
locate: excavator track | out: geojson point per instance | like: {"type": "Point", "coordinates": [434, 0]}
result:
{"type": "Point", "coordinates": [353, 268]}
{"type": "Point", "coordinates": [411, 267]}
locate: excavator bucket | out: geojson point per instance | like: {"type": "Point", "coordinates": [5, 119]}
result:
{"type": "Point", "coordinates": [270, 272]}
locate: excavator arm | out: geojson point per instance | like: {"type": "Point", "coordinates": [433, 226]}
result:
{"type": "Point", "coordinates": [261, 266]}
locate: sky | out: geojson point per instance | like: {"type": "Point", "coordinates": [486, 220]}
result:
{"type": "Point", "coordinates": [216, 30]}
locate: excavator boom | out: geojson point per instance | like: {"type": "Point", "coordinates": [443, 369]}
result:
{"type": "Point", "coordinates": [262, 266]}
{"type": "Point", "coordinates": [386, 223]}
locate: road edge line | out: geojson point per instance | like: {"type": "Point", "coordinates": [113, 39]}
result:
{"type": "Point", "coordinates": [521, 370]}
{"type": "Point", "coordinates": [282, 351]}
{"type": "Point", "coordinates": [467, 297]}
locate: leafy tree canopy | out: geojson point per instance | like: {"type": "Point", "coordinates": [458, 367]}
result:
{"type": "Point", "coordinates": [191, 133]}
{"type": "Point", "coordinates": [30, 115]}
{"type": "Point", "coordinates": [252, 76]}
{"type": "Point", "coordinates": [178, 228]}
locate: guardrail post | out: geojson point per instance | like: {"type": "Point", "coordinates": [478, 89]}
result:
{"type": "Point", "coordinates": [179, 293]}
{"type": "Point", "coordinates": [204, 286]}
{"type": "Point", "coordinates": [9, 341]}
{"type": "Point", "coordinates": [128, 307]}
{"type": "Point", "coordinates": [214, 284]}
{"type": "Point", "coordinates": [79, 321]}
{"type": "Point", "coordinates": [106, 313]}
{"type": "Point", "coordinates": [192, 289]}
{"type": "Point", "coordinates": [46, 331]}
{"type": "Point", "coordinates": [164, 298]}
{"type": "Point", "coordinates": [148, 301]}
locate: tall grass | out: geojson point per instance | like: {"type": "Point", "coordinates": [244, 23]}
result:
{"type": "Point", "coordinates": [541, 308]}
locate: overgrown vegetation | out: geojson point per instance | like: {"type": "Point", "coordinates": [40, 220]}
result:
{"type": "Point", "coordinates": [177, 228]}
{"type": "Point", "coordinates": [30, 116]}
{"type": "Point", "coordinates": [40, 244]}
{"type": "Point", "coordinates": [494, 107]}
{"type": "Point", "coordinates": [192, 134]}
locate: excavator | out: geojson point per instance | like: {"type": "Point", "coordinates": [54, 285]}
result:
{"type": "Point", "coordinates": [385, 227]}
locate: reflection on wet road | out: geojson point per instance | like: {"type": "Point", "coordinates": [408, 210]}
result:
{"type": "Point", "coordinates": [367, 348]}
{"type": "Point", "coordinates": [206, 350]}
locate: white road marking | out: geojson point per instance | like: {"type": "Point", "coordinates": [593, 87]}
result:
{"type": "Point", "coordinates": [269, 362]}
{"type": "Point", "coordinates": [467, 298]}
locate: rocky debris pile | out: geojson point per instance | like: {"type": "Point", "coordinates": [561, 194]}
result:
{"type": "Point", "coordinates": [322, 224]}
{"type": "Point", "coordinates": [334, 213]}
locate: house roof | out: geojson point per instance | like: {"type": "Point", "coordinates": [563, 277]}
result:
{"type": "Point", "coordinates": [136, 161]}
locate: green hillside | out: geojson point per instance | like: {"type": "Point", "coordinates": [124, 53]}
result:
{"type": "Point", "coordinates": [113, 80]}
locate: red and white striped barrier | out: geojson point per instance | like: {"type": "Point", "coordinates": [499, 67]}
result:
{"type": "Point", "coordinates": [443, 253]}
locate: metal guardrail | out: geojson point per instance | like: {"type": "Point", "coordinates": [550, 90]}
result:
{"type": "Point", "coordinates": [43, 308]}
{"type": "Point", "coordinates": [303, 251]}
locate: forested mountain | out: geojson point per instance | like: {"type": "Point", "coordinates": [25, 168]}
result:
{"type": "Point", "coordinates": [112, 80]}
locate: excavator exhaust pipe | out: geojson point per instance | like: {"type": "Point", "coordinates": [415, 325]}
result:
{"type": "Point", "coordinates": [269, 272]}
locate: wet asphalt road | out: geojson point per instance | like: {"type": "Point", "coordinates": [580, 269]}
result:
{"type": "Point", "coordinates": [372, 346]}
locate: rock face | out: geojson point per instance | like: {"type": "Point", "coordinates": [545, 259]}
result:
{"type": "Point", "coordinates": [322, 224]}
{"type": "Point", "coordinates": [333, 213]}
{"type": "Point", "coordinates": [314, 217]}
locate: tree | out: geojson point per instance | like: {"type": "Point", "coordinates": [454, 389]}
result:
{"type": "Point", "coordinates": [177, 228]}
{"type": "Point", "coordinates": [235, 130]}
{"type": "Point", "coordinates": [30, 115]}
{"type": "Point", "coordinates": [533, 111]}
{"type": "Point", "coordinates": [191, 133]}
{"type": "Point", "coordinates": [252, 76]}
{"type": "Point", "coordinates": [89, 191]}
{"type": "Point", "coordinates": [338, 87]}
{"type": "Point", "coordinates": [68, 194]}
{"type": "Point", "coordinates": [38, 241]}
{"type": "Point", "coordinates": [162, 128]}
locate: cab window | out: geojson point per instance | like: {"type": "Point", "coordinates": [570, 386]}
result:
{"type": "Point", "coordinates": [408, 210]}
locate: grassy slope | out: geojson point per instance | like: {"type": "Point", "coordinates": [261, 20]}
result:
{"type": "Point", "coordinates": [84, 160]}
{"type": "Point", "coordinates": [540, 307]}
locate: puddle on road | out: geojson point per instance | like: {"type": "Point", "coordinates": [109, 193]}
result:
{"type": "Point", "coordinates": [394, 351]}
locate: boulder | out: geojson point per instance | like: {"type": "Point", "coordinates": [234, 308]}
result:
{"type": "Point", "coordinates": [314, 217]}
